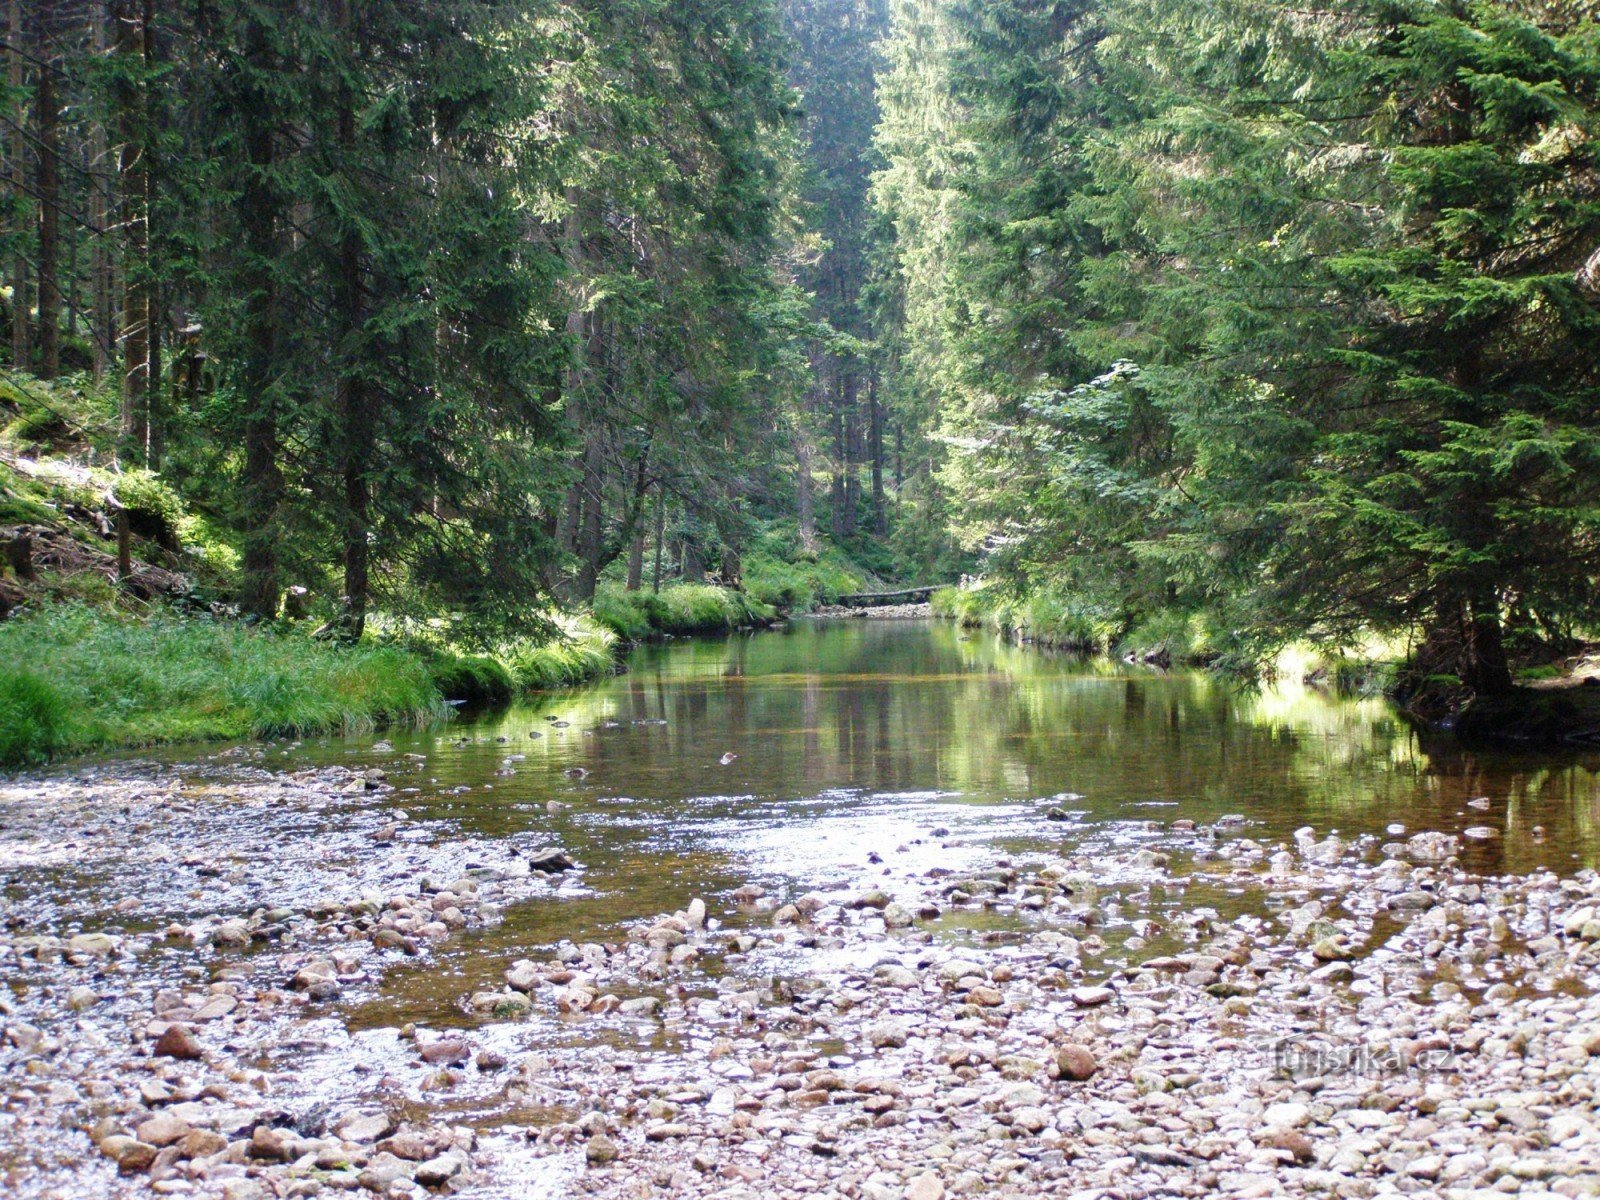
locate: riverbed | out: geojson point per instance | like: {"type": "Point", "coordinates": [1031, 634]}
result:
{"type": "Point", "coordinates": [843, 909]}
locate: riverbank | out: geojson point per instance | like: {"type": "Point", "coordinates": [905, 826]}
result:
{"type": "Point", "coordinates": [80, 678]}
{"type": "Point", "coordinates": [1189, 1012]}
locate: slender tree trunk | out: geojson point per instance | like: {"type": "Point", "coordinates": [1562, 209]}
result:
{"type": "Point", "coordinates": [21, 354]}
{"type": "Point", "coordinates": [260, 207]}
{"type": "Point", "coordinates": [135, 267]}
{"type": "Point", "coordinates": [851, 441]}
{"type": "Point", "coordinates": [880, 514]}
{"type": "Point", "coordinates": [153, 309]}
{"type": "Point", "coordinates": [594, 482]}
{"type": "Point", "coordinates": [1485, 668]}
{"type": "Point", "coordinates": [47, 117]}
{"type": "Point", "coordinates": [661, 535]}
{"type": "Point", "coordinates": [805, 500]}
{"type": "Point", "coordinates": [636, 541]}
{"type": "Point", "coordinates": [102, 336]}
{"type": "Point", "coordinates": [840, 456]}
{"type": "Point", "coordinates": [355, 406]}
{"type": "Point", "coordinates": [636, 560]}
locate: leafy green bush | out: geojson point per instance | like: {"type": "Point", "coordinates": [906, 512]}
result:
{"type": "Point", "coordinates": [1046, 617]}
{"type": "Point", "coordinates": [69, 410]}
{"type": "Point", "coordinates": [154, 508]}
{"type": "Point", "coordinates": [475, 678]}
{"type": "Point", "coordinates": [1176, 636]}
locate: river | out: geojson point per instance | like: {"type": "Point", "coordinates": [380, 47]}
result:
{"type": "Point", "coordinates": [826, 757]}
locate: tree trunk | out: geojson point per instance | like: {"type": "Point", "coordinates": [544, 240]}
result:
{"type": "Point", "coordinates": [845, 521]}
{"type": "Point", "coordinates": [1484, 667]}
{"type": "Point", "coordinates": [636, 560]}
{"type": "Point", "coordinates": [260, 208]}
{"type": "Point", "coordinates": [594, 482]}
{"type": "Point", "coordinates": [840, 455]}
{"type": "Point", "coordinates": [21, 356]}
{"type": "Point", "coordinates": [880, 515]}
{"type": "Point", "coordinates": [47, 115]}
{"type": "Point", "coordinates": [661, 535]}
{"type": "Point", "coordinates": [805, 499]}
{"type": "Point", "coordinates": [154, 441]}
{"type": "Point", "coordinates": [134, 193]}
{"type": "Point", "coordinates": [102, 336]}
{"type": "Point", "coordinates": [355, 402]}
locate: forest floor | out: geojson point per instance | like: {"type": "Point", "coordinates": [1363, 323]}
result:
{"type": "Point", "coordinates": [193, 1013]}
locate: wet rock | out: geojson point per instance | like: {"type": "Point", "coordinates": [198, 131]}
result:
{"type": "Point", "coordinates": [163, 1129]}
{"type": "Point", "coordinates": [1091, 997]}
{"type": "Point", "coordinates": [318, 980]}
{"type": "Point", "coordinates": [501, 1004]}
{"type": "Point", "coordinates": [203, 1143]}
{"type": "Point", "coordinates": [1075, 1062]}
{"type": "Point", "coordinates": [927, 1186]}
{"type": "Point", "coordinates": [382, 1171]}
{"type": "Point", "coordinates": [1288, 1115]}
{"type": "Point", "coordinates": [1294, 1142]}
{"type": "Point", "coordinates": [92, 945]}
{"type": "Point", "coordinates": [896, 917]}
{"type": "Point", "coordinates": [215, 1009]}
{"type": "Point", "coordinates": [273, 1145]}
{"type": "Point", "coordinates": [601, 1151]}
{"type": "Point", "coordinates": [81, 999]}
{"type": "Point", "coordinates": [365, 1127]}
{"type": "Point", "coordinates": [130, 1154]}
{"type": "Point", "coordinates": [448, 1052]}
{"type": "Point", "coordinates": [436, 1172]}
{"type": "Point", "coordinates": [886, 1034]}
{"type": "Point", "coordinates": [550, 861]}
{"type": "Point", "coordinates": [178, 1042]}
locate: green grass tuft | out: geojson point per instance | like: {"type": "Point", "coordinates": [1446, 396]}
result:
{"type": "Point", "coordinates": [76, 679]}
{"type": "Point", "coordinates": [681, 609]}
{"type": "Point", "coordinates": [35, 720]}
{"type": "Point", "coordinates": [1043, 617]}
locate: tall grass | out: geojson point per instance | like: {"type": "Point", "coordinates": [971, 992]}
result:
{"type": "Point", "coordinates": [76, 679]}
{"type": "Point", "coordinates": [585, 650]}
{"type": "Point", "coordinates": [680, 609]}
{"type": "Point", "coordinates": [1045, 617]}
{"type": "Point", "coordinates": [801, 585]}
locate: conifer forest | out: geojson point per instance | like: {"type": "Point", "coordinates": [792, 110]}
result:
{"type": "Point", "coordinates": [857, 599]}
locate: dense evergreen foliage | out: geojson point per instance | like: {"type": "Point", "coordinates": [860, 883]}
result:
{"type": "Point", "coordinates": [1204, 326]}
{"type": "Point", "coordinates": [449, 308]}
{"type": "Point", "coordinates": [1277, 320]}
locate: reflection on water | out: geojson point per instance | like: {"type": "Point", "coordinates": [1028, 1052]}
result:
{"type": "Point", "coordinates": [833, 719]}
{"type": "Point", "coordinates": [923, 746]}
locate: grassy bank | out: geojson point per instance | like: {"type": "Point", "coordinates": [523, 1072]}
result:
{"type": "Point", "coordinates": [678, 610]}
{"type": "Point", "coordinates": [583, 650]}
{"type": "Point", "coordinates": [76, 679]}
{"type": "Point", "coordinates": [79, 678]}
{"type": "Point", "coordinates": [1041, 618]}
